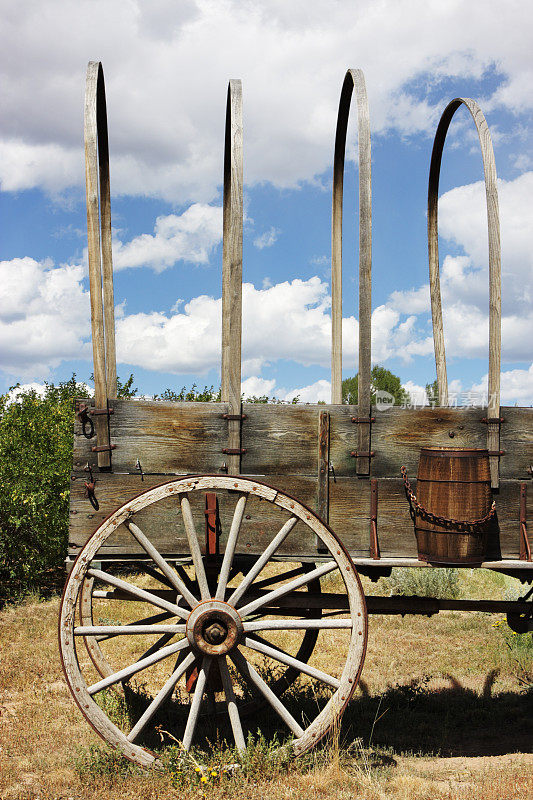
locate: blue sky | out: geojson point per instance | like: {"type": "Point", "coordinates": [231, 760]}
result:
{"type": "Point", "coordinates": [167, 65]}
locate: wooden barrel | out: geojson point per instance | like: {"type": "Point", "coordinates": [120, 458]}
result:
{"type": "Point", "coordinates": [453, 484]}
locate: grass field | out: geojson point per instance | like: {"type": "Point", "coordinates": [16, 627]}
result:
{"type": "Point", "coordinates": [443, 710]}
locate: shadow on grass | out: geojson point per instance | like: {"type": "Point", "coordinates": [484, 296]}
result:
{"type": "Point", "coordinates": [413, 718]}
{"type": "Point", "coordinates": [451, 721]}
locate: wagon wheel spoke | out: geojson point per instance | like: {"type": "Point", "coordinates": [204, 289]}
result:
{"type": "Point", "coordinates": [164, 693]}
{"type": "Point", "coordinates": [163, 565]}
{"type": "Point", "coordinates": [253, 678]}
{"type": "Point", "coordinates": [288, 587]}
{"type": "Point", "coordinates": [132, 669]}
{"type": "Point", "coordinates": [252, 574]}
{"type": "Point", "coordinates": [194, 547]}
{"type": "Point", "coordinates": [192, 719]}
{"type": "Point", "coordinates": [142, 594]}
{"type": "Point", "coordinates": [280, 655]}
{"type": "Point", "coordinates": [230, 546]}
{"type": "Point", "coordinates": [131, 629]}
{"type": "Point", "coordinates": [231, 704]}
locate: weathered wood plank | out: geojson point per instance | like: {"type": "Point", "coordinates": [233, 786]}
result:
{"type": "Point", "coordinates": [280, 439]}
{"type": "Point", "coordinates": [516, 440]}
{"type": "Point", "coordinates": [189, 438]}
{"type": "Point", "coordinates": [399, 433]}
{"type": "Point", "coordinates": [165, 437]}
{"type": "Point", "coordinates": [349, 516]}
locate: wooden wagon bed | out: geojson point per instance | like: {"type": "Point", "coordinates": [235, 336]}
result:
{"type": "Point", "coordinates": [306, 451]}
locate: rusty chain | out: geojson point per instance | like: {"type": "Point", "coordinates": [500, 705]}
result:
{"type": "Point", "coordinates": [457, 525]}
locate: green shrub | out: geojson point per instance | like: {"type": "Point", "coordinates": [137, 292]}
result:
{"type": "Point", "coordinates": [425, 582]}
{"type": "Point", "coordinates": [35, 461]}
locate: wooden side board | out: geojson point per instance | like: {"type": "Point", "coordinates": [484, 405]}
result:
{"type": "Point", "coordinates": [283, 450]}
{"type": "Point", "coordinates": [349, 517]}
{"type": "Point", "coordinates": [165, 437]}
{"type": "Point", "coordinates": [181, 438]}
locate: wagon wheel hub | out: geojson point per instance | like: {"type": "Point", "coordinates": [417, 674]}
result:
{"type": "Point", "coordinates": [214, 628]}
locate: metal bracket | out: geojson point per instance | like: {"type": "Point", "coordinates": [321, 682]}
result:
{"type": "Point", "coordinates": [363, 420]}
{"type": "Point", "coordinates": [374, 543]}
{"type": "Point", "coordinates": [96, 412]}
{"type": "Point", "coordinates": [525, 548]}
{"type": "Point", "coordinates": [105, 448]}
{"type": "Point", "coordinates": [89, 488]}
{"type": "Point", "coordinates": [83, 415]}
{"type": "Point", "coordinates": [212, 525]}
{"type": "Point", "coordinates": [496, 452]}
{"type": "Point", "coordinates": [234, 451]}
{"type": "Point", "coordinates": [367, 454]}
{"type": "Point", "coordinates": [494, 420]}
{"type": "Point", "coordinates": [239, 417]}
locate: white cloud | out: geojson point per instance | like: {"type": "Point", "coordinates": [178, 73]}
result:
{"type": "Point", "coordinates": [24, 388]}
{"type": "Point", "coordinates": [257, 387]}
{"type": "Point", "coordinates": [167, 66]}
{"type": "Point", "coordinates": [190, 237]}
{"type": "Point", "coordinates": [320, 391]}
{"type": "Point", "coordinates": [516, 387]}
{"type": "Point", "coordinates": [44, 316]}
{"type": "Point", "coordinates": [417, 393]}
{"type": "Point", "coordinates": [463, 220]}
{"type": "Point", "coordinates": [25, 165]}
{"type": "Point", "coordinates": [464, 281]}
{"type": "Point", "coordinates": [267, 239]}
{"type": "Point", "coordinates": [289, 320]}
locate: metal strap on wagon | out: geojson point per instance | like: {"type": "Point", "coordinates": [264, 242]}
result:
{"type": "Point", "coordinates": [232, 273]}
{"type": "Point", "coordinates": [99, 254]}
{"type": "Point", "coordinates": [354, 79]}
{"type": "Point", "coordinates": [493, 219]}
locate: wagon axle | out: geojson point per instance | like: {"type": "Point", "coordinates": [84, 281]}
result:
{"type": "Point", "coordinates": [214, 628]}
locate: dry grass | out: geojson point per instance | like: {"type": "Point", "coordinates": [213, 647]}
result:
{"type": "Point", "coordinates": [446, 686]}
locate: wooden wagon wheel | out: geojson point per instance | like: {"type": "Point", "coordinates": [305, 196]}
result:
{"type": "Point", "coordinates": [219, 632]}
{"type": "Point", "coordinates": [98, 657]}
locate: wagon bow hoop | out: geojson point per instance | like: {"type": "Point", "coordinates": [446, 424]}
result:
{"type": "Point", "coordinates": [493, 220]}
{"type": "Point", "coordinates": [98, 195]}
{"type": "Point", "coordinates": [232, 226]}
{"type": "Point", "coordinates": [354, 80]}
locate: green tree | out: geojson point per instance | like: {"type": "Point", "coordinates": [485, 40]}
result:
{"type": "Point", "coordinates": [126, 390]}
{"type": "Point", "coordinates": [381, 379]}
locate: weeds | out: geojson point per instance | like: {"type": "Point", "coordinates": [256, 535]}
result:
{"type": "Point", "coordinates": [99, 762]}
{"type": "Point", "coordinates": [427, 582]}
{"type": "Point", "coordinates": [519, 651]}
